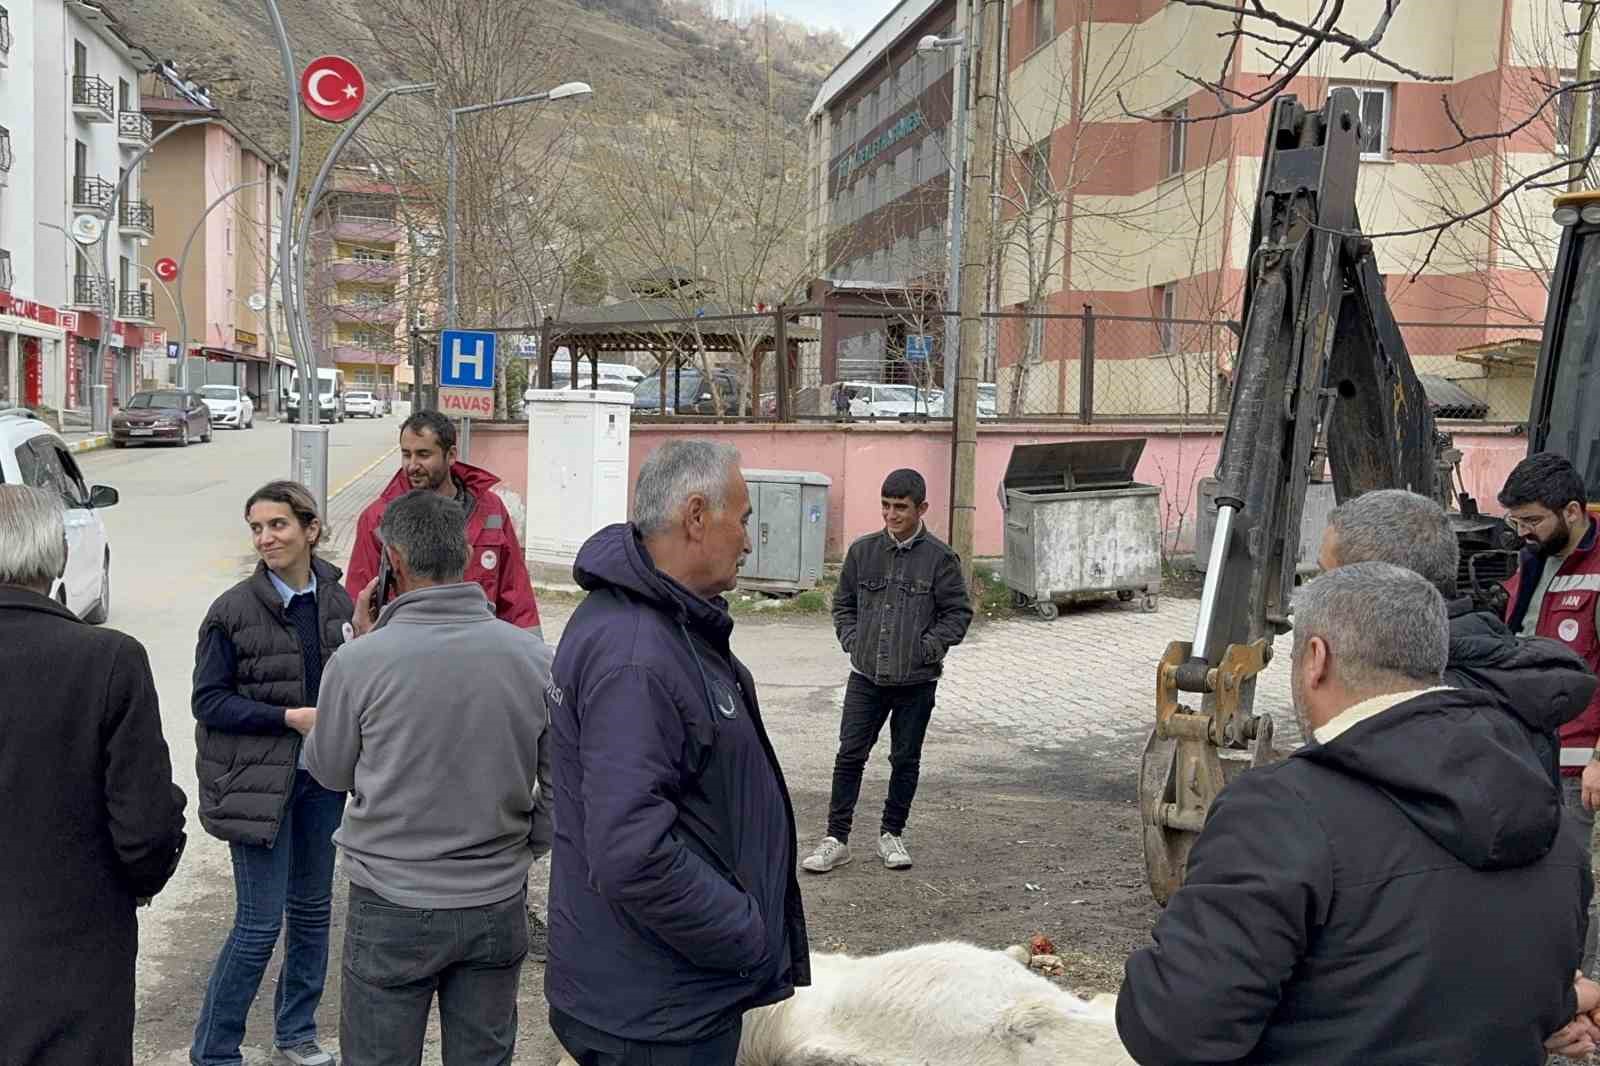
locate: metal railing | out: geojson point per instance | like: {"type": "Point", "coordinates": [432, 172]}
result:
{"type": "Point", "coordinates": [91, 90]}
{"type": "Point", "coordinates": [91, 290]}
{"type": "Point", "coordinates": [6, 156]}
{"type": "Point", "coordinates": [139, 215]}
{"type": "Point", "coordinates": [93, 193]}
{"type": "Point", "coordinates": [134, 126]}
{"type": "Point", "coordinates": [138, 305]}
{"type": "Point", "coordinates": [5, 32]}
{"type": "Point", "coordinates": [6, 276]}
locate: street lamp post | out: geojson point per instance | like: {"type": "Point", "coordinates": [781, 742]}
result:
{"type": "Point", "coordinates": [958, 167]}
{"type": "Point", "coordinates": [564, 91]}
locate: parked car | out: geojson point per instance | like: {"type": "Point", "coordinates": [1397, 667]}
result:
{"type": "Point", "coordinates": [872, 399]}
{"type": "Point", "coordinates": [31, 453]}
{"type": "Point", "coordinates": [175, 416]}
{"type": "Point", "coordinates": [362, 403]}
{"type": "Point", "coordinates": [229, 405]}
{"type": "Point", "coordinates": [688, 392]}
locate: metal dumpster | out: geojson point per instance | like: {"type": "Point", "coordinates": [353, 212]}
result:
{"type": "Point", "coordinates": [1078, 524]}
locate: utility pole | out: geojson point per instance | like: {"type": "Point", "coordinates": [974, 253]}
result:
{"type": "Point", "coordinates": [1580, 135]}
{"type": "Point", "coordinates": [977, 246]}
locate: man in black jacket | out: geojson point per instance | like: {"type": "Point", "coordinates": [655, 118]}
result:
{"type": "Point", "coordinates": [674, 906]}
{"type": "Point", "coordinates": [1341, 905]}
{"type": "Point", "coordinates": [900, 606]}
{"type": "Point", "coordinates": [92, 823]}
{"type": "Point", "coordinates": [1542, 683]}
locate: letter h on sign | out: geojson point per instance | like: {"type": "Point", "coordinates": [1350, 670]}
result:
{"type": "Point", "coordinates": [466, 359]}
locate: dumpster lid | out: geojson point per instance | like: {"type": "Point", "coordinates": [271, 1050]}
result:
{"type": "Point", "coordinates": [1068, 466]}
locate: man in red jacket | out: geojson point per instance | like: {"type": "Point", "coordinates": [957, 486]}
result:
{"type": "Point", "coordinates": [428, 461]}
{"type": "Point", "coordinates": [1556, 594]}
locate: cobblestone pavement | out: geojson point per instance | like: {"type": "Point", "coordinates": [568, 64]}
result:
{"type": "Point", "coordinates": [1085, 681]}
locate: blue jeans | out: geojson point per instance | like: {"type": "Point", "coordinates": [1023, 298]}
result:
{"type": "Point", "coordinates": [398, 959]}
{"type": "Point", "coordinates": [293, 879]}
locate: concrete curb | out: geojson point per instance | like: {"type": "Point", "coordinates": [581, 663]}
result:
{"type": "Point", "coordinates": [89, 444]}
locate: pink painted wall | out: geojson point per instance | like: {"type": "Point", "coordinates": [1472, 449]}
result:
{"type": "Point", "coordinates": [860, 456]}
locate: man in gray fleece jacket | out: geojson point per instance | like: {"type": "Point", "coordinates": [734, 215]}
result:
{"type": "Point", "coordinates": [435, 723]}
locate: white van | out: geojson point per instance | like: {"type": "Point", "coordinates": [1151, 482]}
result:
{"type": "Point", "coordinates": [330, 395]}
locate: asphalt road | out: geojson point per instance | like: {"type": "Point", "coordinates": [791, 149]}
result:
{"type": "Point", "coordinates": [178, 540]}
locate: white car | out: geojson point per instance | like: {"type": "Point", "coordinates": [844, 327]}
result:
{"type": "Point", "coordinates": [31, 453]}
{"type": "Point", "coordinates": [364, 404]}
{"type": "Point", "coordinates": [229, 405]}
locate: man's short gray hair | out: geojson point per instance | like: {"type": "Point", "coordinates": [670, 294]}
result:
{"type": "Point", "coordinates": [676, 471]}
{"type": "Point", "coordinates": [1385, 626]}
{"type": "Point", "coordinates": [430, 533]}
{"type": "Point", "coordinates": [1399, 527]}
{"type": "Point", "coordinates": [33, 537]}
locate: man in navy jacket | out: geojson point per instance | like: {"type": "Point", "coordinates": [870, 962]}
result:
{"type": "Point", "coordinates": [674, 906]}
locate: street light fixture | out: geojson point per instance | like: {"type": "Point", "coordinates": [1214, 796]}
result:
{"type": "Point", "coordinates": [958, 167]}
{"type": "Point", "coordinates": [565, 91]}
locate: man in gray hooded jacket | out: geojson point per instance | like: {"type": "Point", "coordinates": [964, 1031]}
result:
{"type": "Point", "coordinates": [435, 723]}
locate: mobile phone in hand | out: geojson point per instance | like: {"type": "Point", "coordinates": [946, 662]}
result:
{"type": "Point", "coordinates": [385, 589]}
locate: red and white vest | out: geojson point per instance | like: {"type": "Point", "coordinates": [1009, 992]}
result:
{"type": "Point", "coordinates": [1567, 614]}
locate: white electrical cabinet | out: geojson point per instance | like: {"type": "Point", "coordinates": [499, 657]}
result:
{"type": "Point", "coordinates": [577, 468]}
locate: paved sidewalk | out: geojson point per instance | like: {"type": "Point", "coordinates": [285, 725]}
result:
{"type": "Point", "coordinates": [1085, 681]}
{"type": "Point", "coordinates": [347, 501]}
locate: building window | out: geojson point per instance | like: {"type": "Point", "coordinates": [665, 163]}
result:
{"type": "Point", "coordinates": [1166, 327]}
{"type": "Point", "coordinates": [1035, 176]}
{"type": "Point", "coordinates": [1374, 118]}
{"type": "Point", "coordinates": [1177, 138]}
{"type": "Point", "coordinates": [1044, 21]}
{"type": "Point", "coordinates": [80, 59]}
{"type": "Point", "coordinates": [124, 95]}
{"type": "Point", "coordinates": [1564, 117]}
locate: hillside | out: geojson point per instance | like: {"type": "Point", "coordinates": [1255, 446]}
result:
{"type": "Point", "coordinates": [632, 51]}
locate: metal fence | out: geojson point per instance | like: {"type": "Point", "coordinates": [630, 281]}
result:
{"type": "Point", "coordinates": [866, 363]}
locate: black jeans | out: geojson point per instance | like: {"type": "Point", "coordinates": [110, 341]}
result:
{"type": "Point", "coordinates": [867, 705]}
{"type": "Point", "coordinates": [396, 958]}
{"type": "Point", "coordinates": [591, 1047]}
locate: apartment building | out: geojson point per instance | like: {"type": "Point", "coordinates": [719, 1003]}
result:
{"type": "Point", "coordinates": [70, 314]}
{"type": "Point", "coordinates": [1103, 204]}
{"type": "Point", "coordinates": [220, 195]}
{"type": "Point", "coordinates": [368, 245]}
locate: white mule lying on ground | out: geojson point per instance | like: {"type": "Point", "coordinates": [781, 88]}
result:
{"type": "Point", "coordinates": [931, 1005]}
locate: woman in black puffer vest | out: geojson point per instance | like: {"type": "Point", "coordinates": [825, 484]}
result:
{"type": "Point", "coordinates": [257, 670]}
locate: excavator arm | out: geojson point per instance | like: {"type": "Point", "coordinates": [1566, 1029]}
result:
{"type": "Point", "coordinates": [1322, 374]}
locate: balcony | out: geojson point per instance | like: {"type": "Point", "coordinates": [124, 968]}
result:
{"type": "Point", "coordinates": [137, 305]}
{"type": "Point", "coordinates": [138, 218]}
{"type": "Point", "coordinates": [351, 353]}
{"type": "Point", "coordinates": [368, 313]}
{"type": "Point", "coordinates": [5, 37]}
{"type": "Point", "coordinates": [6, 277]}
{"type": "Point", "coordinates": [93, 98]}
{"type": "Point", "coordinates": [92, 194]}
{"type": "Point", "coordinates": [367, 270]}
{"type": "Point", "coordinates": [350, 227]}
{"type": "Point", "coordinates": [134, 129]}
{"type": "Point", "coordinates": [6, 156]}
{"type": "Point", "coordinates": [91, 292]}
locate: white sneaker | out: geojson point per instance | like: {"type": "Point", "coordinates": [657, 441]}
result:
{"type": "Point", "coordinates": [309, 1053]}
{"type": "Point", "coordinates": [830, 853]}
{"type": "Point", "coordinates": [892, 850]}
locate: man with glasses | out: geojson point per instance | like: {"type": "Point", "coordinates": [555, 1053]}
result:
{"type": "Point", "coordinates": [1556, 593]}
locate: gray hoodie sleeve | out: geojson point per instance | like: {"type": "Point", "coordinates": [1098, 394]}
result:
{"type": "Point", "coordinates": [541, 833]}
{"type": "Point", "coordinates": [334, 743]}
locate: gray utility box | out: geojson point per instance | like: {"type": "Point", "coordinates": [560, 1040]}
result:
{"type": "Point", "coordinates": [1077, 523]}
{"type": "Point", "coordinates": [1313, 521]}
{"type": "Point", "coordinates": [788, 530]}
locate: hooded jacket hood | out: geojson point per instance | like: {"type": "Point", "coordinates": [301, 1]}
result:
{"type": "Point", "coordinates": [1460, 770]}
{"type": "Point", "coordinates": [1541, 681]}
{"type": "Point", "coordinates": [477, 480]}
{"type": "Point", "coordinates": [616, 558]}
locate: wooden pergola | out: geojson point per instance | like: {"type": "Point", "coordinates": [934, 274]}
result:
{"type": "Point", "coordinates": [660, 327]}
